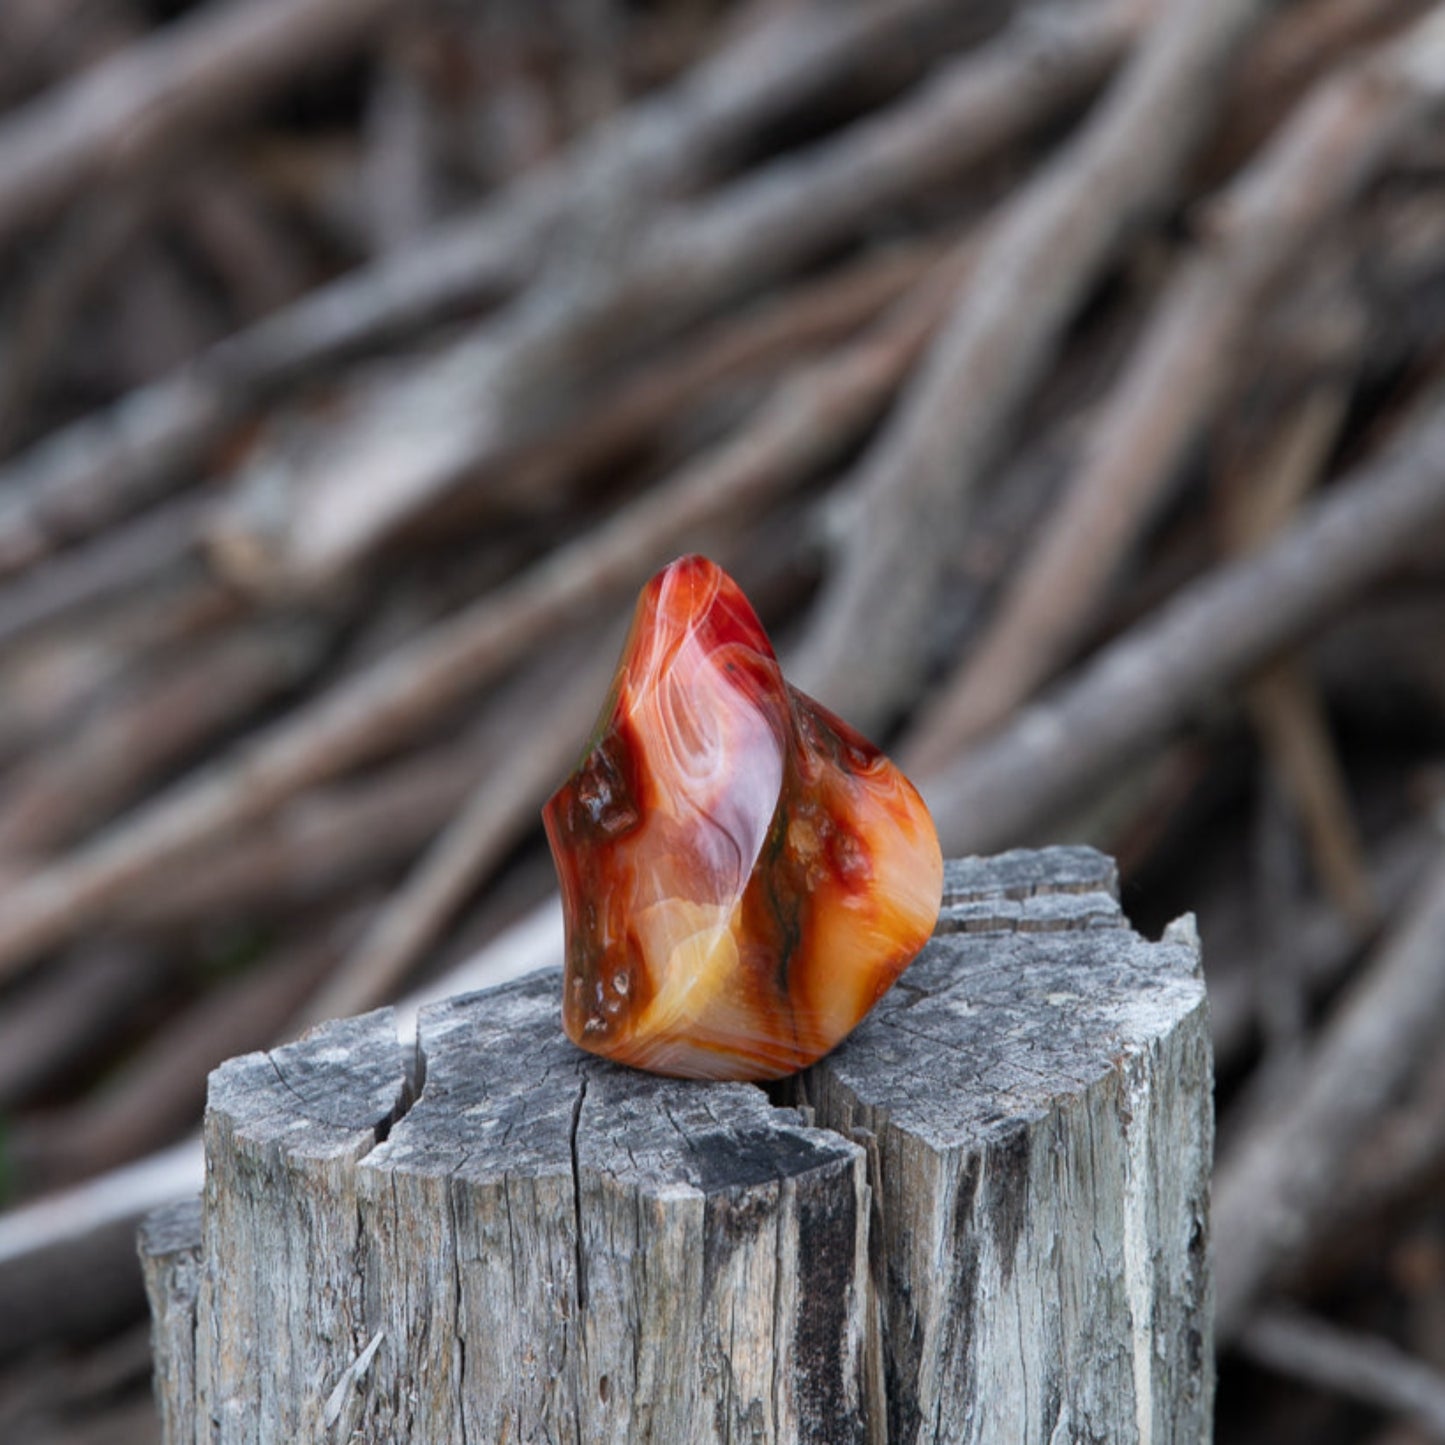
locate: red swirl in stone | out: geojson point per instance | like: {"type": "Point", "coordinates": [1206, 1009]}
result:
{"type": "Point", "coordinates": [743, 875]}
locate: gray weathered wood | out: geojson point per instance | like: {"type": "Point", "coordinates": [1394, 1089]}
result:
{"type": "Point", "coordinates": [170, 1253]}
{"type": "Point", "coordinates": [1035, 1098]}
{"type": "Point", "coordinates": [986, 1219]}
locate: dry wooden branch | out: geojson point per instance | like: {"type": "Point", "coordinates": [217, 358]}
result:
{"type": "Point", "coordinates": [30, 30]}
{"type": "Point", "coordinates": [126, 112]}
{"type": "Point", "coordinates": [1283, 701]}
{"type": "Point", "coordinates": [499, 812]}
{"type": "Point", "coordinates": [357, 833]}
{"type": "Point", "coordinates": [74, 786]}
{"type": "Point", "coordinates": [763, 339]}
{"type": "Point", "coordinates": [254, 257]}
{"type": "Point", "coordinates": [912, 497]}
{"type": "Point", "coordinates": [657, 147]}
{"type": "Point", "coordinates": [329, 841]}
{"type": "Point", "coordinates": [89, 1396]}
{"type": "Point", "coordinates": [64, 675]}
{"type": "Point", "coordinates": [1361, 1367]}
{"type": "Point", "coordinates": [67, 1263]}
{"type": "Point", "coordinates": [118, 562]}
{"type": "Point", "coordinates": [1315, 946]}
{"type": "Point", "coordinates": [1400, 1167]}
{"type": "Point", "coordinates": [50, 1028]}
{"type": "Point", "coordinates": [1291, 56]}
{"type": "Point", "coordinates": [356, 481]}
{"type": "Point", "coordinates": [399, 162]}
{"type": "Point", "coordinates": [1287, 712]}
{"type": "Point", "coordinates": [808, 422]}
{"type": "Point", "coordinates": [107, 465]}
{"type": "Point", "coordinates": [1212, 633]}
{"type": "Point", "coordinates": [1180, 373]}
{"type": "Point", "coordinates": [159, 1092]}
{"type": "Point", "coordinates": [1275, 1189]}
{"type": "Point", "coordinates": [89, 247]}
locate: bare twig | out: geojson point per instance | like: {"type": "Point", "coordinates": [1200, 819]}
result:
{"type": "Point", "coordinates": [912, 497]}
{"type": "Point", "coordinates": [123, 559]}
{"type": "Point", "coordinates": [1402, 1164]}
{"type": "Point", "coordinates": [807, 423]}
{"type": "Point", "coordinates": [399, 183]}
{"type": "Point", "coordinates": [48, 1029]}
{"type": "Point", "coordinates": [1291, 56]}
{"type": "Point", "coordinates": [74, 785]}
{"type": "Point", "coordinates": [1316, 946]}
{"type": "Point", "coordinates": [1213, 632]}
{"type": "Point", "coordinates": [252, 255]}
{"type": "Point", "coordinates": [115, 461]}
{"type": "Point", "coordinates": [1275, 1189]}
{"type": "Point", "coordinates": [499, 811]}
{"type": "Point", "coordinates": [122, 114]}
{"type": "Point", "coordinates": [331, 840]}
{"type": "Point", "coordinates": [407, 445]}
{"type": "Point", "coordinates": [1346, 1362]}
{"type": "Point", "coordinates": [67, 1262]}
{"type": "Point", "coordinates": [159, 1092]}
{"type": "Point", "coordinates": [1283, 701]}
{"type": "Point", "coordinates": [1286, 710]}
{"type": "Point", "coordinates": [1181, 371]}
{"type": "Point", "coordinates": [762, 339]}
{"type": "Point", "coordinates": [87, 249]}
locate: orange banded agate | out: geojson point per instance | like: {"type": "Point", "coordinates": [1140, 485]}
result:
{"type": "Point", "coordinates": [743, 875]}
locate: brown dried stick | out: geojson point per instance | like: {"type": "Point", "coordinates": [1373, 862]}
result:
{"type": "Point", "coordinates": [90, 245]}
{"type": "Point", "coordinates": [1149, 681]}
{"type": "Point", "coordinates": [112, 462]}
{"type": "Point", "coordinates": [1180, 373]}
{"type": "Point", "coordinates": [1286, 711]}
{"type": "Point", "coordinates": [499, 812]}
{"type": "Point", "coordinates": [1283, 702]}
{"type": "Point", "coordinates": [331, 840]}
{"type": "Point", "coordinates": [84, 778]}
{"type": "Point", "coordinates": [355, 832]}
{"type": "Point", "coordinates": [357, 480]}
{"type": "Point", "coordinates": [249, 254]}
{"type": "Point", "coordinates": [766, 337]}
{"type": "Point", "coordinates": [1316, 947]}
{"type": "Point", "coordinates": [808, 422]}
{"type": "Point", "coordinates": [1403, 1163]}
{"type": "Point", "coordinates": [70, 1013]}
{"type": "Point", "coordinates": [1304, 44]}
{"type": "Point", "coordinates": [160, 1091]}
{"type": "Point", "coordinates": [1345, 1362]}
{"type": "Point", "coordinates": [124, 559]}
{"type": "Point", "coordinates": [1274, 1191]}
{"type": "Point", "coordinates": [912, 497]}
{"type": "Point", "coordinates": [124, 113]}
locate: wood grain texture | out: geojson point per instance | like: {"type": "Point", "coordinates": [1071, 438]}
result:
{"type": "Point", "coordinates": [1035, 1099]}
{"type": "Point", "coordinates": [170, 1255]}
{"type": "Point", "coordinates": [983, 1217]}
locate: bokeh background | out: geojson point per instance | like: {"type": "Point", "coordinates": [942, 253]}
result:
{"type": "Point", "coordinates": [1063, 382]}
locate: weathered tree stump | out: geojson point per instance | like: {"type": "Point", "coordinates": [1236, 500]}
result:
{"type": "Point", "coordinates": [983, 1218]}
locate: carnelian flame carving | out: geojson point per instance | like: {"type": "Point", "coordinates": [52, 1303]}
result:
{"type": "Point", "coordinates": [743, 875]}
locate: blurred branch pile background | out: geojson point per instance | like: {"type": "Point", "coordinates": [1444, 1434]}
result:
{"type": "Point", "coordinates": [1065, 382]}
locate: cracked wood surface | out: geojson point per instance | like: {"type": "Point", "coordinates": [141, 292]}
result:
{"type": "Point", "coordinates": [983, 1217]}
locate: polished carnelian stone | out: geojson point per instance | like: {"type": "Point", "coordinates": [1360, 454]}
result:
{"type": "Point", "coordinates": [743, 875]}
